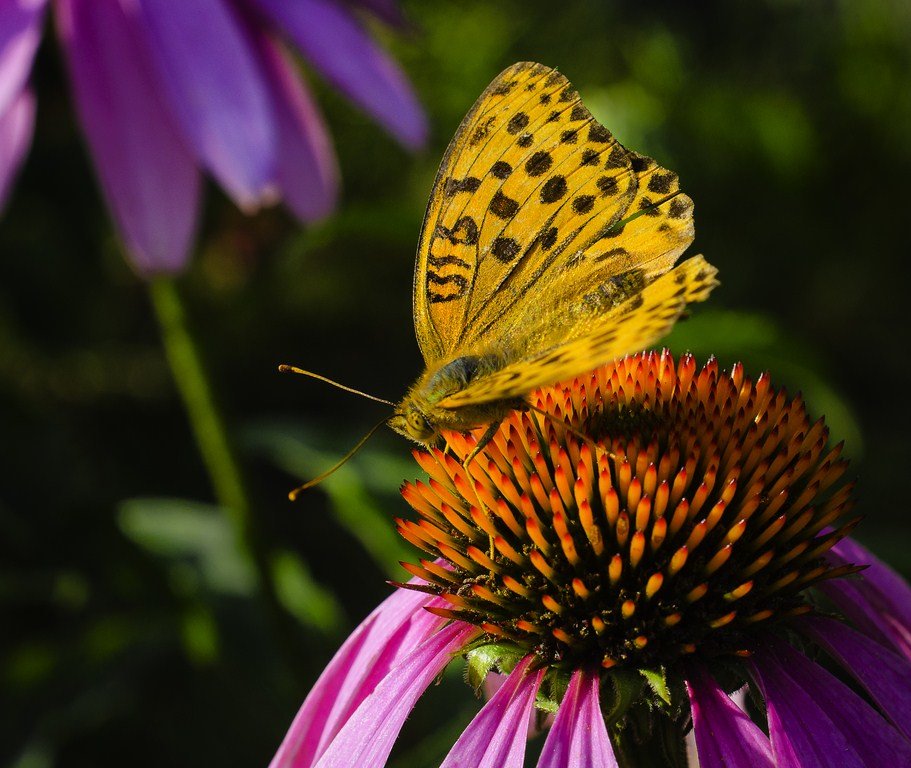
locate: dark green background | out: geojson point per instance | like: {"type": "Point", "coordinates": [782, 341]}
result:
{"type": "Point", "coordinates": [130, 628]}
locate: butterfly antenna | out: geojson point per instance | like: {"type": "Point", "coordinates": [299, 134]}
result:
{"type": "Point", "coordinates": [302, 372]}
{"type": "Point", "coordinates": [318, 479]}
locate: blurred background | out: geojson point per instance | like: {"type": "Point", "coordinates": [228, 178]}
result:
{"type": "Point", "coordinates": [133, 623]}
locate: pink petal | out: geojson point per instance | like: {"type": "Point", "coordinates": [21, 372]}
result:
{"type": "Point", "coordinates": [816, 721]}
{"type": "Point", "coordinates": [208, 72]}
{"type": "Point", "coordinates": [367, 737]}
{"type": "Point", "coordinates": [307, 173]}
{"type": "Point", "coordinates": [148, 178]}
{"type": "Point", "coordinates": [877, 600]}
{"type": "Point", "coordinates": [336, 44]}
{"type": "Point", "coordinates": [493, 682]}
{"type": "Point", "coordinates": [886, 676]}
{"type": "Point", "coordinates": [394, 629]}
{"type": "Point", "coordinates": [725, 735]}
{"type": "Point", "coordinates": [20, 33]}
{"type": "Point", "coordinates": [579, 735]}
{"type": "Point", "coordinates": [16, 126]}
{"type": "Point", "coordinates": [497, 735]}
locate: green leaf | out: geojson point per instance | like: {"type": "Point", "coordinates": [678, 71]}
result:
{"type": "Point", "coordinates": [302, 596]}
{"type": "Point", "coordinates": [190, 533]}
{"type": "Point", "coordinates": [657, 681]}
{"type": "Point", "coordinates": [622, 689]}
{"type": "Point", "coordinates": [484, 658]}
{"type": "Point", "coordinates": [552, 690]}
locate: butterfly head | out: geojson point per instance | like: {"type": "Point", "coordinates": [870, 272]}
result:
{"type": "Point", "coordinates": [409, 420]}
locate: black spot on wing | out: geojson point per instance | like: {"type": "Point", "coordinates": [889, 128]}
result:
{"type": "Point", "coordinates": [500, 169]}
{"type": "Point", "coordinates": [579, 112]}
{"type": "Point", "coordinates": [481, 131]}
{"type": "Point", "coordinates": [583, 203]}
{"type": "Point", "coordinates": [662, 182]}
{"type": "Point", "coordinates": [503, 207]}
{"type": "Point", "coordinates": [517, 122]}
{"type": "Point", "coordinates": [525, 140]}
{"type": "Point", "coordinates": [464, 232]}
{"type": "Point", "coordinates": [641, 163]}
{"type": "Point", "coordinates": [679, 207]}
{"type": "Point", "coordinates": [648, 207]}
{"type": "Point", "coordinates": [598, 133]}
{"type": "Point", "coordinates": [589, 157]}
{"type": "Point", "coordinates": [616, 159]}
{"type": "Point", "coordinates": [607, 185]}
{"type": "Point", "coordinates": [539, 163]}
{"type": "Point", "coordinates": [548, 238]}
{"type": "Point", "coordinates": [554, 189]}
{"type": "Point", "coordinates": [454, 186]}
{"type": "Point", "coordinates": [505, 249]}
{"type": "Point", "coordinates": [553, 79]}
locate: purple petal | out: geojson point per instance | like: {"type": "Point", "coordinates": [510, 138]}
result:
{"type": "Point", "coordinates": [348, 57]}
{"type": "Point", "coordinates": [20, 33]}
{"type": "Point", "coordinates": [307, 173]}
{"type": "Point", "coordinates": [16, 126]}
{"type": "Point", "coordinates": [208, 72]}
{"type": "Point", "coordinates": [497, 735]}
{"type": "Point", "coordinates": [148, 178]}
{"type": "Point", "coordinates": [725, 735]}
{"type": "Point", "coordinates": [579, 736]}
{"type": "Point", "coordinates": [817, 721]}
{"type": "Point", "coordinates": [886, 676]}
{"type": "Point", "coordinates": [493, 682]}
{"type": "Point", "coordinates": [367, 737]}
{"type": "Point", "coordinates": [877, 601]}
{"type": "Point", "coordinates": [394, 629]}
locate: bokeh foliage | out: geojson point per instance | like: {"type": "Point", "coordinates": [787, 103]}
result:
{"type": "Point", "coordinates": [131, 623]}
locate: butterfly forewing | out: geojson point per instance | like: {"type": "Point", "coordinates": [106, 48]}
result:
{"type": "Point", "coordinates": [537, 205]}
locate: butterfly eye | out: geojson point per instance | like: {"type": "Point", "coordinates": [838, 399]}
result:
{"type": "Point", "coordinates": [418, 426]}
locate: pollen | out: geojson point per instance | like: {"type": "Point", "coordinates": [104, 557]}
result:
{"type": "Point", "coordinates": [649, 510]}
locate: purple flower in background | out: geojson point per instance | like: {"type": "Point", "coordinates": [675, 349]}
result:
{"type": "Point", "coordinates": [166, 91]}
{"type": "Point", "coordinates": [632, 582]}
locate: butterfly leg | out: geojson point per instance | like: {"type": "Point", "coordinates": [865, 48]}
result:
{"type": "Point", "coordinates": [482, 443]}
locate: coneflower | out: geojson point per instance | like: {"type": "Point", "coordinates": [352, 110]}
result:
{"type": "Point", "coordinates": [630, 550]}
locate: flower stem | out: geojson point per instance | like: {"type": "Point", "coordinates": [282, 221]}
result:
{"type": "Point", "coordinates": [196, 392]}
{"type": "Point", "coordinates": [215, 447]}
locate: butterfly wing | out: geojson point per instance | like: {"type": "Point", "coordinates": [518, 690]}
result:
{"type": "Point", "coordinates": [636, 324]}
{"type": "Point", "coordinates": [536, 204]}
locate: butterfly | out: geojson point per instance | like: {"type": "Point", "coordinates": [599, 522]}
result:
{"type": "Point", "coordinates": [547, 248]}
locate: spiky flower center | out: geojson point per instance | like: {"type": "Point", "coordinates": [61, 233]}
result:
{"type": "Point", "coordinates": [693, 511]}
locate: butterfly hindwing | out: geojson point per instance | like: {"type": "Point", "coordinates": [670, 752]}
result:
{"type": "Point", "coordinates": [639, 322]}
{"type": "Point", "coordinates": [537, 207]}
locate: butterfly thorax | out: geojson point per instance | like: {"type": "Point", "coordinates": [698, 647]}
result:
{"type": "Point", "coordinates": [422, 414]}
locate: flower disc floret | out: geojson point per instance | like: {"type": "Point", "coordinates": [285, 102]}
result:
{"type": "Point", "coordinates": [634, 516]}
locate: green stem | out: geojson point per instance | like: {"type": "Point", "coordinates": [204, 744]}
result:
{"type": "Point", "coordinates": [205, 419]}
{"type": "Point", "coordinates": [215, 447]}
